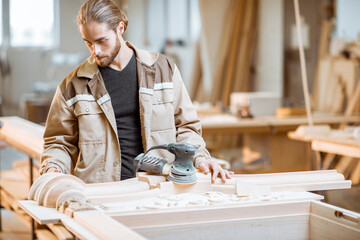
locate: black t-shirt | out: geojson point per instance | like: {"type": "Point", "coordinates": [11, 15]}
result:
{"type": "Point", "coordinates": [123, 89]}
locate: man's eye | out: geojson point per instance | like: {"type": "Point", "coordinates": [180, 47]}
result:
{"type": "Point", "coordinates": [102, 41]}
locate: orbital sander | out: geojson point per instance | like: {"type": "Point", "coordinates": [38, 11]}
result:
{"type": "Point", "coordinates": [181, 170]}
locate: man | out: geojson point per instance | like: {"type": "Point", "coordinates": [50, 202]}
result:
{"type": "Point", "coordinates": [118, 103]}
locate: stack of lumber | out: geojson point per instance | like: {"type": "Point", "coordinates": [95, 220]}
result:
{"type": "Point", "coordinates": [15, 185]}
{"type": "Point", "coordinates": [232, 68]}
{"type": "Point", "coordinates": [337, 90]}
{"type": "Point", "coordinates": [26, 137]}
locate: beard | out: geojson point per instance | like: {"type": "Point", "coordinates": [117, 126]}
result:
{"type": "Point", "coordinates": [105, 61]}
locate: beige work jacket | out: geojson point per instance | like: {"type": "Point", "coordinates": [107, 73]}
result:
{"type": "Point", "coordinates": [81, 134]}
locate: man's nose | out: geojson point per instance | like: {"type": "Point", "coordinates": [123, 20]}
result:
{"type": "Point", "coordinates": [97, 49]}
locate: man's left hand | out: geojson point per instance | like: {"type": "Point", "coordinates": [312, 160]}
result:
{"type": "Point", "coordinates": [215, 169]}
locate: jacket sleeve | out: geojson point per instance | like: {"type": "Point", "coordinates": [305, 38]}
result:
{"type": "Point", "coordinates": [60, 137]}
{"type": "Point", "coordinates": [188, 126]}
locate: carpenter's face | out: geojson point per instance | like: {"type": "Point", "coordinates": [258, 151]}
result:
{"type": "Point", "coordinates": [102, 42]}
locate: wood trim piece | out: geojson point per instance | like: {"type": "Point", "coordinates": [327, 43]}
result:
{"type": "Point", "coordinates": [104, 226]}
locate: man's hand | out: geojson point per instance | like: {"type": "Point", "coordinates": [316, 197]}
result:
{"type": "Point", "coordinates": [52, 170]}
{"type": "Point", "coordinates": [215, 169]}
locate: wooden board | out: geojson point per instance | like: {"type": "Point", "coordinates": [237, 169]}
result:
{"type": "Point", "coordinates": [41, 214]}
{"type": "Point", "coordinates": [23, 135]}
{"type": "Point", "coordinates": [105, 227]}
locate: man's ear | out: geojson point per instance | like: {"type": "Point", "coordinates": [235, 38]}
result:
{"type": "Point", "coordinates": [121, 28]}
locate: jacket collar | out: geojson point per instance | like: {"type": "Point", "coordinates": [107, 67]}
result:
{"type": "Point", "coordinates": [89, 68]}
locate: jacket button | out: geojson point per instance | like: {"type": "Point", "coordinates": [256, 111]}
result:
{"type": "Point", "coordinates": [159, 100]}
{"type": "Point", "coordinates": [87, 110]}
{"type": "Point", "coordinates": [115, 164]}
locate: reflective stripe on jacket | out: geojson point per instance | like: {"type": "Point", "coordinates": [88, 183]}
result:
{"type": "Point", "coordinates": [81, 134]}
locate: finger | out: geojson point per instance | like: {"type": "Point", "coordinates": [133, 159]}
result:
{"type": "Point", "coordinates": [203, 168]}
{"type": "Point", "coordinates": [231, 172]}
{"type": "Point", "coordinates": [228, 174]}
{"type": "Point", "coordinates": [215, 174]}
{"type": "Point", "coordinates": [223, 175]}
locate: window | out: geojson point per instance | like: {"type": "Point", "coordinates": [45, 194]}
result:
{"type": "Point", "coordinates": [32, 23]}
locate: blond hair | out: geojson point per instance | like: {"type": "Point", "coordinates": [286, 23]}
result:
{"type": "Point", "coordinates": [101, 11]}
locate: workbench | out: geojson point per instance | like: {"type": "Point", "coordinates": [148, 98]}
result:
{"type": "Point", "coordinates": [229, 124]}
{"type": "Point", "coordinates": [336, 142]}
{"type": "Point", "coordinates": [131, 209]}
{"type": "Point", "coordinates": [266, 136]}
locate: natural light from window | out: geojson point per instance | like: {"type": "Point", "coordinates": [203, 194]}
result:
{"type": "Point", "coordinates": [32, 23]}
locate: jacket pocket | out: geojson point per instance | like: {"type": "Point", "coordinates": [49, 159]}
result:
{"type": "Point", "coordinates": [162, 110]}
{"type": "Point", "coordinates": [91, 166]}
{"type": "Point", "coordinates": [91, 120]}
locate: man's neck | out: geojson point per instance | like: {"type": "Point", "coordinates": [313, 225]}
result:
{"type": "Point", "coordinates": [123, 57]}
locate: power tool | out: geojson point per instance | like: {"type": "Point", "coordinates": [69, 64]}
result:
{"type": "Point", "coordinates": [181, 170]}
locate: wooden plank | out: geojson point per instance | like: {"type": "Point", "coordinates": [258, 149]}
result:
{"type": "Point", "coordinates": [355, 176]}
{"type": "Point", "coordinates": [44, 234]}
{"type": "Point", "coordinates": [321, 228]}
{"type": "Point", "coordinates": [336, 148]}
{"type": "Point", "coordinates": [120, 187]}
{"type": "Point", "coordinates": [330, 222]}
{"type": "Point", "coordinates": [246, 48]}
{"type": "Point", "coordinates": [329, 211]}
{"type": "Point", "coordinates": [60, 232]}
{"type": "Point", "coordinates": [104, 226]}
{"type": "Point", "coordinates": [124, 197]}
{"type": "Point", "coordinates": [294, 227]}
{"type": "Point", "coordinates": [41, 214]}
{"type": "Point", "coordinates": [285, 177]}
{"type": "Point", "coordinates": [234, 46]}
{"type": "Point", "coordinates": [223, 53]}
{"type": "Point", "coordinates": [78, 230]}
{"type": "Point", "coordinates": [18, 190]}
{"type": "Point", "coordinates": [23, 135]}
{"type": "Point", "coordinates": [213, 214]}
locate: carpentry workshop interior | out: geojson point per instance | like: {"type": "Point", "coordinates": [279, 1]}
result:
{"type": "Point", "coordinates": [241, 121]}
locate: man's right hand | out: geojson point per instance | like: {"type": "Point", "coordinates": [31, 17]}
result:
{"type": "Point", "coordinates": [52, 170]}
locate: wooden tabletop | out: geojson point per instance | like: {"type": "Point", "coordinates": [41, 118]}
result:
{"type": "Point", "coordinates": [226, 123]}
{"type": "Point", "coordinates": [346, 145]}
{"type": "Point", "coordinates": [22, 135]}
